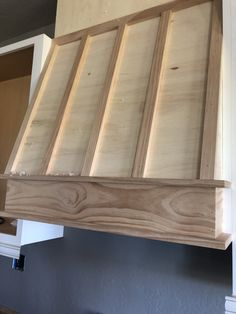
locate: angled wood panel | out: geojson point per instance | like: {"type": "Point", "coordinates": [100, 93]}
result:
{"type": "Point", "coordinates": [144, 117]}
{"type": "Point", "coordinates": [72, 143]}
{"type": "Point", "coordinates": [175, 142]}
{"type": "Point", "coordinates": [152, 94]}
{"type": "Point", "coordinates": [41, 123]}
{"type": "Point", "coordinates": [119, 134]}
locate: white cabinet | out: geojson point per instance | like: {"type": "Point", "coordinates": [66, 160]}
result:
{"type": "Point", "coordinates": [20, 67]}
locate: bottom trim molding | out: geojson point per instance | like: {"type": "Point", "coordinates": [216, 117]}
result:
{"type": "Point", "coordinates": [8, 250]}
{"type": "Point", "coordinates": [230, 305]}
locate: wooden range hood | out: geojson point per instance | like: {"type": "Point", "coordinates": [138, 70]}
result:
{"type": "Point", "coordinates": [121, 135]}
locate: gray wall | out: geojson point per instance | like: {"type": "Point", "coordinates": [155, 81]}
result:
{"type": "Point", "coordinates": [88, 272]}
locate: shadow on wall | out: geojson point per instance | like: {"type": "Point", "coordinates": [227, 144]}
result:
{"type": "Point", "coordinates": [97, 273]}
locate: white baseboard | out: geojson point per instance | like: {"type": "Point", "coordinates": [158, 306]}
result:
{"type": "Point", "coordinates": [230, 305]}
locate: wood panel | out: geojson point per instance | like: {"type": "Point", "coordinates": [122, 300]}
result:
{"type": "Point", "coordinates": [85, 13]}
{"type": "Point", "coordinates": [175, 142]}
{"type": "Point", "coordinates": [67, 98]}
{"type": "Point", "coordinates": [152, 94]}
{"type": "Point", "coordinates": [168, 213]}
{"type": "Point", "coordinates": [42, 121]}
{"type": "Point", "coordinates": [119, 134]}
{"type": "Point", "coordinates": [70, 149]}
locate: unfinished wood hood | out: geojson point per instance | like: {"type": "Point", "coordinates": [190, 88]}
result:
{"type": "Point", "coordinates": [121, 134]}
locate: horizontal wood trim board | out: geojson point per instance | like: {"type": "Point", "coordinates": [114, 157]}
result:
{"type": "Point", "coordinates": [143, 181]}
{"type": "Point", "coordinates": [171, 210]}
{"type": "Point", "coordinates": [129, 19]}
{"type": "Point", "coordinates": [172, 214]}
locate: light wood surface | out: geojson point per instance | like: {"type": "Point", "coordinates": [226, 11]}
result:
{"type": "Point", "coordinates": [105, 98]}
{"type": "Point", "coordinates": [114, 180]}
{"type": "Point", "coordinates": [136, 17]}
{"type": "Point", "coordinates": [169, 213]}
{"type": "Point", "coordinates": [69, 154]}
{"type": "Point", "coordinates": [209, 142]}
{"type": "Point", "coordinates": [119, 135]}
{"type": "Point", "coordinates": [74, 76]}
{"type": "Point", "coordinates": [152, 94]}
{"type": "Point", "coordinates": [159, 140]}
{"type": "Point", "coordinates": [81, 14]}
{"type": "Point", "coordinates": [175, 141]}
{"type": "Point", "coordinates": [42, 120]}
{"type": "Point", "coordinates": [122, 99]}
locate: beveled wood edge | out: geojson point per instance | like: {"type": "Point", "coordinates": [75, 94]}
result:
{"type": "Point", "coordinates": [137, 17]}
{"type": "Point", "coordinates": [209, 135]}
{"type": "Point", "coordinates": [118, 180]}
{"type": "Point", "coordinates": [76, 69]}
{"type": "Point", "coordinates": [103, 102]}
{"type": "Point", "coordinates": [141, 153]}
{"type": "Point", "coordinates": [221, 242]}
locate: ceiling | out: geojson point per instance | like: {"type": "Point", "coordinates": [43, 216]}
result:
{"type": "Point", "coordinates": [18, 17]}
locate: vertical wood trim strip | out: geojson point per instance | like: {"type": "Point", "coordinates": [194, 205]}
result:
{"type": "Point", "coordinates": [152, 95]}
{"type": "Point", "coordinates": [78, 64]}
{"type": "Point", "coordinates": [31, 109]}
{"type": "Point", "coordinates": [209, 138]}
{"type": "Point", "coordinates": [95, 133]}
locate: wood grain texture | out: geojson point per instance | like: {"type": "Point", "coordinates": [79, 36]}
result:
{"type": "Point", "coordinates": [108, 16]}
{"type": "Point", "coordinates": [16, 64]}
{"type": "Point", "coordinates": [175, 142]}
{"type": "Point", "coordinates": [168, 213]}
{"type": "Point", "coordinates": [154, 83]}
{"type": "Point", "coordinates": [115, 180]}
{"type": "Point", "coordinates": [74, 75]}
{"type": "Point", "coordinates": [72, 142]}
{"type": "Point", "coordinates": [111, 73]}
{"type": "Point", "coordinates": [22, 133]}
{"type": "Point", "coordinates": [119, 134]}
{"type": "Point", "coordinates": [209, 141]}
{"type": "Point", "coordinates": [42, 120]}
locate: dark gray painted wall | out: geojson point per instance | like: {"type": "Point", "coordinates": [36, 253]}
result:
{"type": "Point", "coordinates": [88, 272]}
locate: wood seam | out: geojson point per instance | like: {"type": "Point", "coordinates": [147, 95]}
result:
{"type": "Point", "coordinates": [96, 130]}
{"type": "Point", "coordinates": [152, 95]}
{"type": "Point", "coordinates": [209, 138]}
{"type": "Point", "coordinates": [75, 72]}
